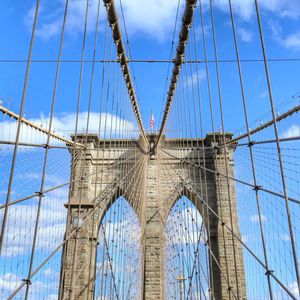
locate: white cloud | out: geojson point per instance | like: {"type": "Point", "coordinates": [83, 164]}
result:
{"type": "Point", "coordinates": [64, 124]}
{"type": "Point", "coordinates": [50, 18]}
{"type": "Point", "coordinates": [283, 8]}
{"type": "Point", "coordinates": [275, 28]}
{"type": "Point", "coordinates": [263, 95]}
{"type": "Point", "coordinates": [10, 281]}
{"type": "Point", "coordinates": [193, 79]}
{"type": "Point", "coordinates": [291, 41]}
{"type": "Point", "coordinates": [198, 31]}
{"type": "Point", "coordinates": [18, 243]}
{"type": "Point", "coordinates": [292, 131]}
{"type": "Point", "coordinates": [255, 218]}
{"type": "Point", "coordinates": [244, 238]}
{"type": "Point", "coordinates": [50, 179]}
{"type": "Point", "coordinates": [48, 272]}
{"type": "Point", "coordinates": [154, 18]}
{"type": "Point", "coordinates": [19, 237]}
{"type": "Point", "coordinates": [285, 237]}
{"type": "Point", "coordinates": [294, 288]}
{"type": "Point", "coordinates": [21, 220]}
{"type": "Point", "coordinates": [132, 225]}
{"type": "Point", "coordinates": [52, 297]}
{"type": "Point", "coordinates": [28, 19]}
{"type": "Point", "coordinates": [245, 34]}
{"type": "Point", "coordinates": [245, 9]}
{"type": "Point", "coordinates": [188, 217]}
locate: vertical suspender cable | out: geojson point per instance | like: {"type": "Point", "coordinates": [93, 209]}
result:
{"type": "Point", "coordinates": [117, 36]}
{"type": "Point", "coordinates": [278, 145]}
{"type": "Point", "coordinates": [224, 146]}
{"type": "Point", "coordinates": [13, 164]}
{"type": "Point", "coordinates": [250, 147]}
{"type": "Point", "coordinates": [46, 150]}
{"type": "Point", "coordinates": [183, 37]}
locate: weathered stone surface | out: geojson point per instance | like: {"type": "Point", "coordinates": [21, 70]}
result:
{"type": "Point", "coordinates": [154, 184]}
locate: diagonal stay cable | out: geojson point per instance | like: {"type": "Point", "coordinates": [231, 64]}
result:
{"type": "Point", "coordinates": [258, 187]}
{"type": "Point", "coordinates": [117, 36]}
{"type": "Point", "coordinates": [29, 123]}
{"type": "Point", "coordinates": [35, 194]}
{"type": "Point", "coordinates": [104, 195]}
{"type": "Point", "coordinates": [183, 37]}
{"type": "Point", "coordinates": [18, 132]}
{"type": "Point", "coordinates": [189, 187]}
{"type": "Point", "coordinates": [183, 183]}
{"type": "Point", "coordinates": [110, 261]}
{"type": "Point", "coordinates": [271, 122]}
{"type": "Point", "coordinates": [170, 56]}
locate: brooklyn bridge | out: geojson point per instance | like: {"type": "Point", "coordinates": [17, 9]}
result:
{"type": "Point", "coordinates": [202, 203]}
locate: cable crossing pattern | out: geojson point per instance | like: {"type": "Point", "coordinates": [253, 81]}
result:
{"type": "Point", "coordinates": [94, 205]}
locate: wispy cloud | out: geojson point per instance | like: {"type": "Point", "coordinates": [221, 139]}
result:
{"type": "Point", "coordinates": [195, 78]}
{"type": "Point", "coordinates": [285, 237]}
{"type": "Point", "coordinates": [245, 9]}
{"type": "Point", "coordinates": [290, 41]}
{"type": "Point", "coordinates": [64, 124]}
{"type": "Point", "coordinates": [52, 226]}
{"type": "Point", "coordinates": [292, 131]}
{"type": "Point", "coordinates": [19, 238]}
{"type": "Point", "coordinates": [154, 18]}
{"type": "Point", "coordinates": [245, 238]}
{"type": "Point", "coordinates": [255, 218]}
{"type": "Point", "coordinates": [245, 34]}
{"type": "Point", "coordinates": [263, 95]}
{"type": "Point", "coordinates": [51, 17]}
{"type": "Point", "coordinates": [9, 281]}
{"type": "Point", "coordinates": [294, 287]}
{"type": "Point", "coordinates": [282, 8]}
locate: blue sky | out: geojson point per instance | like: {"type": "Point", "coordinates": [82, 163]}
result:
{"type": "Point", "coordinates": [150, 28]}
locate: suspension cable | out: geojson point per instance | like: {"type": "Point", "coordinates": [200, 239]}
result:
{"type": "Point", "coordinates": [117, 36]}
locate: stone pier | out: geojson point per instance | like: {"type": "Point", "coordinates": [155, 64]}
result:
{"type": "Point", "coordinates": [162, 180]}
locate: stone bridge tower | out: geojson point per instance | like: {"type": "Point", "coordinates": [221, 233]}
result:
{"type": "Point", "coordinates": [161, 181]}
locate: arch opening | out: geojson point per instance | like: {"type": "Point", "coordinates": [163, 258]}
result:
{"type": "Point", "coordinates": [118, 259]}
{"type": "Point", "coordinates": [186, 255]}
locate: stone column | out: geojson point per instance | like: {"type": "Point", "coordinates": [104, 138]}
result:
{"type": "Point", "coordinates": [153, 242]}
{"type": "Point", "coordinates": [153, 210]}
{"type": "Point", "coordinates": [227, 250]}
{"type": "Point", "coordinates": [83, 266]}
{"type": "Point", "coordinates": [77, 272]}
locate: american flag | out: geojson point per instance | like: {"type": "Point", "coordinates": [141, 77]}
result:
{"type": "Point", "coordinates": [152, 121]}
